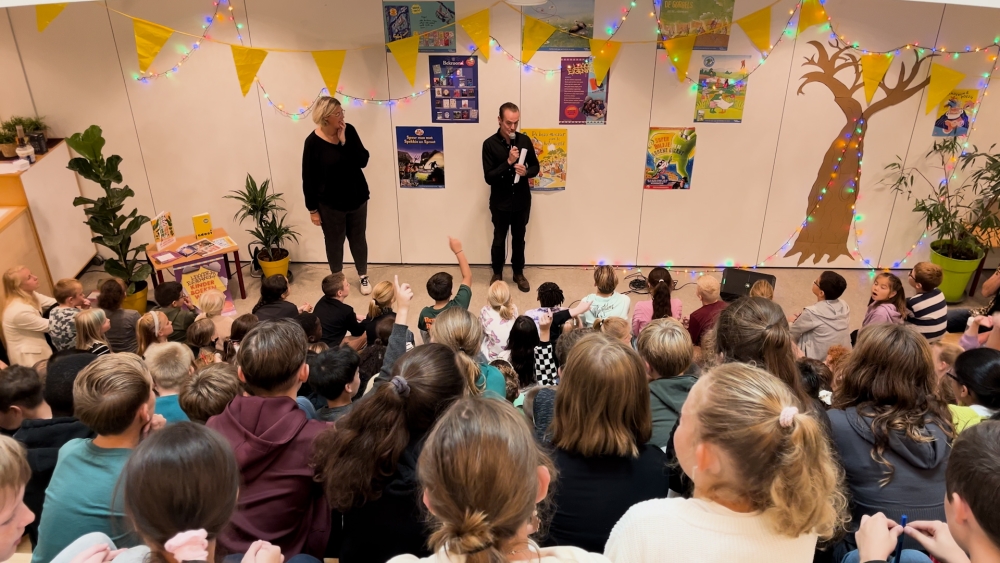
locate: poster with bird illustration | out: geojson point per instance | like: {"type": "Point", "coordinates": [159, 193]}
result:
{"type": "Point", "coordinates": [670, 158]}
{"type": "Point", "coordinates": [573, 18]}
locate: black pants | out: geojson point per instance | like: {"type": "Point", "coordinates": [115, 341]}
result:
{"type": "Point", "coordinates": [515, 220]}
{"type": "Point", "coordinates": [338, 225]}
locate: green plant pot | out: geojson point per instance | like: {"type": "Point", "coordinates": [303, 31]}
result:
{"type": "Point", "coordinates": [276, 267]}
{"type": "Point", "coordinates": [137, 301]}
{"type": "Point", "coordinates": [957, 274]}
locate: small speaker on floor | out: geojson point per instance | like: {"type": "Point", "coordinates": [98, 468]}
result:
{"type": "Point", "coordinates": [737, 282]}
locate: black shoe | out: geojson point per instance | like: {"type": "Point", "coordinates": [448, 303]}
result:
{"type": "Point", "coordinates": [522, 283]}
{"type": "Point", "coordinates": [496, 278]}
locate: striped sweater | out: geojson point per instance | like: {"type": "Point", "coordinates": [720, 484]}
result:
{"type": "Point", "coordinates": [927, 313]}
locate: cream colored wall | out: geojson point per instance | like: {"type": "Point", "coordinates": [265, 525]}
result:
{"type": "Point", "coordinates": [188, 139]}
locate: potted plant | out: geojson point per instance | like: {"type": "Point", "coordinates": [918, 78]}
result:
{"type": "Point", "coordinates": [29, 124]}
{"type": "Point", "coordinates": [111, 228]}
{"type": "Point", "coordinates": [959, 214]}
{"type": "Point", "coordinates": [270, 232]}
{"type": "Point", "coordinates": [8, 142]}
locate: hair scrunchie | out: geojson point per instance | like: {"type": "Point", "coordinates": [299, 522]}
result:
{"type": "Point", "coordinates": [401, 386]}
{"type": "Point", "coordinates": [191, 545]}
{"type": "Point", "coordinates": [787, 416]}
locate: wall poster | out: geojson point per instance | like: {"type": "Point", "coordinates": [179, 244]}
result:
{"type": "Point", "coordinates": [581, 100]}
{"type": "Point", "coordinates": [710, 20]}
{"type": "Point", "coordinates": [575, 17]}
{"type": "Point", "coordinates": [953, 113]}
{"type": "Point", "coordinates": [550, 148]}
{"type": "Point", "coordinates": [454, 88]}
{"type": "Point", "coordinates": [722, 88]}
{"type": "Point", "coordinates": [434, 20]}
{"type": "Point", "coordinates": [670, 158]}
{"type": "Point", "coordinates": [420, 151]}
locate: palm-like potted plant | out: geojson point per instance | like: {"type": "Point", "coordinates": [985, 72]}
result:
{"type": "Point", "coordinates": [961, 215]}
{"type": "Point", "coordinates": [111, 228]}
{"type": "Point", "coordinates": [270, 233]}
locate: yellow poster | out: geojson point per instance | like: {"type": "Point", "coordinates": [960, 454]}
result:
{"type": "Point", "coordinates": [198, 282]}
{"type": "Point", "coordinates": [550, 148]}
{"type": "Point", "coordinates": [670, 155]}
{"type": "Point", "coordinates": [954, 112]}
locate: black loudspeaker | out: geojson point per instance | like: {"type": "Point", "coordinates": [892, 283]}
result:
{"type": "Point", "coordinates": [736, 282]}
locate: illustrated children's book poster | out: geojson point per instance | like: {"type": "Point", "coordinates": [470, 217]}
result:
{"type": "Point", "coordinates": [421, 157]}
{"type": "Point", "coordinates": [454, 89]}
{"type": "Point", "coordinates": [198, 277]}
{"type": "Point", "coordinates": [550, 148]}
{"type": "Point", "coordinates": [574, 17]}
{"type": "Point", "coordinates": [434, 21]}
{"type": "Point", "coordinates": [710, 20]}
{"type": "Point", "coordinates": [953, 113]}
{"type": "Point", "coordinates": [722, 88]}
{"type": "Point", "coordinates": [163, 230]}
{"type": "Point", "coordinates": [581, 100]}
{"type": "Point", "coordinates": [670, 158]}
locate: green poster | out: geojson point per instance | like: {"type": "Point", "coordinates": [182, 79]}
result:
{"type": "Point", "coordinates": [710, 20]}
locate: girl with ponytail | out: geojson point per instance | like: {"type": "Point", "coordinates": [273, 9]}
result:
{"type": "Point", "coordinates": [152, 328]}
{"type": "Point", "coordinates": [457, 329]}
{"type": "Point", "coordinates": [380, 307]}
{"type": "Point", "coordinates": [766, 484]}
{"type": "Point", "coordinates": [660, 304]}
{"type": "Point", "coordinates": [497, 318]}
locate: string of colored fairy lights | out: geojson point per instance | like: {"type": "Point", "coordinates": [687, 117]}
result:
{"type": "Point", "coordinates": [206, 28]}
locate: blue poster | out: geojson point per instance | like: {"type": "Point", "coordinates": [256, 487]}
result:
{"type": "Point", "coordinates": [434, 21]}
{"type": "Point", "coordinates": [421, 157]}
{"type": "Point", "coordinates": [454, 89]}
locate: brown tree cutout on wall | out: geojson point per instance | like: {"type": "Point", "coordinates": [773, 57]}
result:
{"type": "Point", "coordinates": [829, 219]}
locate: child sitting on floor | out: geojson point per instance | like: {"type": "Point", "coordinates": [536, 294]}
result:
{"type": "Point", "coordinates": [153, 327]}
{"type": "Point", "coordinates": [201, 338]}
{"type": "Point", "coordinates": [20, 398]}
{"type": "Point", "coordinates": [826, 322]}
{"type": "Point", "coordinates": [69, 301]}
{"type": "Point", "coordinates": [207, 392]}
{"type": "Point", "coordinates": [335, 378]}
{"type": "Point", "coordinates": [927, 311]}
{"type": "Point", "coordinates": [439, 288]}
{"type": "Point", "coordinates": [91, 326]}
{"type": "Point", "coordinates": [606, 302]}
{"type": "Point", "coordinates": [176, 307]}
{"type": "Point", "coordinates": [212, 303]}
{"type": "Point", "coordinates": [170, 364]}
{"type": "Point", "coordinates": [337, 317]}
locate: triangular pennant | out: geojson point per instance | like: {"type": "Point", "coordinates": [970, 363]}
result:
{"type": "Point", "coordinates": [405, 51]}
{"type": "Point", "coordinates": [604, 52]}
{"type": "Point", "coordinates": [943, 81]}
{"type": "Point", "coordinates": [248, 61]}
{"type": "Point", "coordinates": [679, 49]}
{"type": "Point", "coordinates": [536, 33]}
{"type": "Point", "coordinates": [811, 13]}
{"type": "Point", "coordinates": [329, 64]}
{"type": "Point", "coordinates": [478, 27]}
{"type": "Point", "coordinates": [757, 26]}
{"type": "Point", "coordinates": [45, 13]}
{"type": "Point", "coordinates": [873, 69]}
{"type": "Point", "coordinates": [149, 39]}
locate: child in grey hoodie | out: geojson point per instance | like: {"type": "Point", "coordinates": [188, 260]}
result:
{"type": "Point", "coordinates": [826, 323]}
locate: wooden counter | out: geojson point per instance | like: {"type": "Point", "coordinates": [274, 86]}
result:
{"type": "Point", "coordinates": [21, 247]}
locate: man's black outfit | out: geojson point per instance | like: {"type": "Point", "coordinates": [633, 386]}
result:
{"type": "Point", "coordinates": [510, 203]}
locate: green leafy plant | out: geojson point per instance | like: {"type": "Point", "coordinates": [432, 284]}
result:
{"type": "Point", "coordinates": [959, 214]}
{"type": "Point", "coordinates": [30, 124]}
{"type": "Point", "coordinates": [270, 230]}
{"type": "Point", "coordinates": [6, 137]}
{"type": "Point", "coordinates": [111, 228]}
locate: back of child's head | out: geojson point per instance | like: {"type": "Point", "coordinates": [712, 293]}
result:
{"type": "Point", "coordinates": [207, 392]}
{"type": "Point", "coordinates": [311, 326]}
{"type": "Point", "coordinates": [479, 468]}
{"type": "Point", "coordinates": [201, 334]}
{"type": "Point", "coordinates": [660, 286]}
{"type": "Point", "coordinates": [20, 387]}
{"type": "Point", "coordinates": [439, 286]}
{"type": "Point", "coordinates": [112, 295]}
{"type": "Point", "coordinates": [181, 478]}
{"type": "Point", "coordinates": [66, 289]}
{"type": "Point", "coordinates": [457, 329]}
{"type": "Point", "coordinates": [373, 355]}
{"type": "Point", "coordinates": [110, 391]}
{"type": "Point", "coordinates": [897, 297]}
{"type": "Point", "coordinates": [762, 288]}
{"type": "Point", "coordinates": [89, 327]}
{"type": "Point", "coordinates": [708, 288]}
{"type": "Point", "coordinates": [665, 345]}
{"type": "Point", "coordinates": [332, 284]}
{"type": "Point", "coordinates": [972, 475]}
{"type": "Point", "coordinates": [927, 275]}
{"type": "Point", "coordinates": [779, 457]}
{"type": "Point", "coordinates": [147, 330]}
{"type": "Point", "coordinates": [62, 373]}
{"type": "Point", "coordinates": [832, 284]}
{"type": "Point", "coordinates": [498, 298]}
{"type": "Point", "coordinates": [239, 329]}
{"type": "Point", "coordinates": [212, 302]}
{"type": "Point", "coordinates": [815, 375]}
{"type": "Point", "coordinates": [568, 340]}
{"type": "Point", "coordinates": [14, 473]}
{"type": "Point", "coordinates": [605, 279]}
{"type": "Point", "coordinates": [383, 328]}
{"type": "Point", "coordinates": [271, 355]}
{"type": "Point", "coordinates": [521, 344]}
{"type": "Point", "coordinates": [614, 327]}
{"type": "Point", "coordinates": [549, 295]}
{"type": "Point", "coordinates": [272, 290]}
{"type": "Point", "coordinates": [333, 370]}
{"type": "Point", "coordinates": [383, 294]}
{"type": "Point", "coordinates": [978, 370]}
{"type": "Point", "coordinates": [169, 363]}
{"type": "Point", "coordinates": [168, 292]}
{"type": "Point", "coordinates": [509, 377]}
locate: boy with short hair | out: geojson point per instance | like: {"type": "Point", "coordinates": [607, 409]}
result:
{"type": "Point", "coordinates": [69, 301]}
{"type": "Point", "coordinates": [439, 288]}
{"type": "Point", "coordinates": [273, 442]}
{"type": "Point", "coordinates": [703, 318]}
{"type": "Point", "coordinates": [20, 398]}
{"type": "Point", "coordinates": [14, 514]}
{"type": "Point", "coordinates": [826, 323]}
{"type": "Point", "coordinates": [207, 392]}
{"type": "Point", "coordinates": [337, 380]}
{"type": "Point", "coordinates": [176, 306]}
{"type": "Point", "coordinates": [927, 311]}
{"type": "Point", "coordinates": [170, 364]}
{"type": "Point", "coordinates": [114, 397]}
{"type": "Point", "coordinates": [336, 316]}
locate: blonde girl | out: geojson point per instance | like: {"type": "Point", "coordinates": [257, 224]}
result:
{"type": "Point", "coordinates": [457, 329]}
{"type": "Point", "coordinates": [212, 303]}
{"type": "Point", "coordinates": [762, 288]}
{"type": "Point", "coordinates": [614, 327]}
{"type": "Point", "coordinates": [91, 326]}
{"type": "Point", "coordinates": [497, 318]}
{"type": "Point", "coordinates": [24, 327]}
{"type": "Point", "coordinates": [380, 307]}
{"type": "Point", "coordinates": [153, 327]}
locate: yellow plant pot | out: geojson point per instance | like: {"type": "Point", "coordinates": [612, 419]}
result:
{"type": "Point", "coordinates": [137, 301]}
{"type": "Point", "coordinates": [276, 267]}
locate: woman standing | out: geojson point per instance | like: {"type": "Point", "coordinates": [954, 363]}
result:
{"type": "Point", "coordinates": [24, 327]}
{"type": "Point", "coordinates": [335, 188]}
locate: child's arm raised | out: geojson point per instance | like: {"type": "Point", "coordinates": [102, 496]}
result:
{"type": "Point", "coordinates": [463, 262]}
{"type": "Point", "coordinates": [396, 346]}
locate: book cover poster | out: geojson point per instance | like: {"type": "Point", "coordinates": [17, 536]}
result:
{"type": "Point", "coordinates": [574, 17]}
{"type": "Point", "coordinates": [434, 21]}
{"type": "Point", "coordinates": [163, 230]}
{"type": "Point", "coordinates": [722, 88]}
{"type": "Point", "coordinates": [710, 20]}
{"type": "Point", "coordinates": [200, 276]}
{"type": "Point", "coordinates": [454, 89]}
{"type": "Point", "coordinates": [420, 151]}
{"type": "Point", "coordinates": [954, 113]}
{"type": "Point", "coordinates": [581, 100]}
{"type": "Point", "coordinates": [670, 158]}
{"type": "Point", "coordinates": [551, 149]}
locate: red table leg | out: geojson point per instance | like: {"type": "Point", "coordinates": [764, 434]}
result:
{"type": "Point", "coordinates": [239, 274]}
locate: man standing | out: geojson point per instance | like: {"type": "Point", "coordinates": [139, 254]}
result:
{"type": "Point", "coordinates": [510, 198]}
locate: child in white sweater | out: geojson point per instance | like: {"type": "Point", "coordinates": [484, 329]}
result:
{"type": "Point", "coordinates": [606, 302]}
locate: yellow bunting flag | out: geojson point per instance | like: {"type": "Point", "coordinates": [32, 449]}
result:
{"type": "Point", "coordinates": [329, 64]}
{"type": "Point", "coordinates": [149, 39]}
{"type": "Point", "coordinates": [679, 49]}
{"type": "Point", "coordinates": [873, 69]}
{"type": "Point", "coordinates": [536, 33]}
{"type": "Point", "coordinates": [478, 27]}
{"type": "Point", "coordinates": [604, 52]}
{"type": "Point", "coordinates": [405, 51]}
{"type": "Point", "coordinates": [811, 13]}
{"type": "Point", "coordinates": [248, 61]}
{"type": "Point", "coordinates": [45, 13]}
{"type": "Point", "coordinates": [943, 81]}
{"type": "Point", "coordinates": [757, 26]}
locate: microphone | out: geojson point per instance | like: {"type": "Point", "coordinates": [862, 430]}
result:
{"type": "Point", "coordinates": [513, 136]}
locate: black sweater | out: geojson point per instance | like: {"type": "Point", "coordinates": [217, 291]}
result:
{"type": "Point", "coordinates": [505, 195]}
{"type": "Point", "coordinates": [332, 175]}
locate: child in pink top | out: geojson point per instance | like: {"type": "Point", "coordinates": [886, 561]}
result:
{"type": "Point", "coordinates": [660, 304]}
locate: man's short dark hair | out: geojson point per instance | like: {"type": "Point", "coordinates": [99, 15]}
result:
{"type": "Point", "coordinates": [332, 284]}
{"type": "Point", "coordinates": [972, 473]}
{"type": "Point", "coordinates": [567, 341]}
{"type": "Point", "coordinates": [59, 380]}
{"type": "Point", "coordinates": [167, 292]}
{"type": "Point", "coordinates": [832, 285]}
{"type": "Point", "coordinates": [334, 369]}
{"type": "Point", "coordinates": [439, 286]}
{"type": "Point", "coordinates": [509, 106]}
{"type": "Point", "coordinates": [270, 356]}
{"type": "Point", "coordinates": [19, 386]}
{"type": "Point", "coordinates": [549, 295]}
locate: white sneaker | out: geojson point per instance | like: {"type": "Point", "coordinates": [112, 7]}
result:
{"type": "Point", "coordinates": [366, 287]}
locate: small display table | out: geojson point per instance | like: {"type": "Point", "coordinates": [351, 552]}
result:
{"type": "Point", "coordinates": [184, 260]}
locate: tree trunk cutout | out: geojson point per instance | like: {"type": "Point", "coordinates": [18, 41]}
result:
{"type": "Point", "coordinates": [830, 213]}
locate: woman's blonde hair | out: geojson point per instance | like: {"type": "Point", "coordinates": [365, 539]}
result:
{"type": "Point", "coordinates": [479, 469]}
{"type": "Point", "coordinates": [324, 108]}
{"type": "Point", "coordinates": [88, 328]}
{"type": "Point", "coordinates": [762, 288]}
{"type": "Point", "coordinates": [457, 329]}
{"type": "Point", "coordinates": [605, 279]}
{"type": "Point", "coordinates": [14, 469]}
{"type": "Point", "coordinates": [788, 472]}
{"type": "Point", "coordinates": [383, 294]}
{"type": "Point", "coordinates": [602, 407]}
{"type": "Point", "coordinates": [615, 327]}
{"type": "Point", "coordinates": [498, 299]}
{"type": "Point", "coordinates": [212, 302]}
{"type": "Point", "coordinates": [147, 330]}
{"type": "Point", "coordinates": [666, 346]}
{"type": "Point", "coordinates": [12, 280]}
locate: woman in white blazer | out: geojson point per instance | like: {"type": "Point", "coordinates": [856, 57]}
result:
{"type": "Point", "coordinates": [24, 327]}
